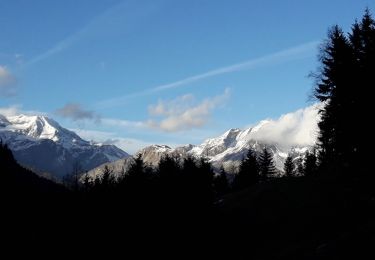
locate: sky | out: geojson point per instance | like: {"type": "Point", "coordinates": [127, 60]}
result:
{"type": "Point", "coordinates": [135, 73]}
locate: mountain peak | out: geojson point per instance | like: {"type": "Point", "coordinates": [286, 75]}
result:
{"type": "Point", "coordinates": [231, 133]}
{"type": "Point", "coordinates": [40, 143]}
{"type": "Point", "coordinates": [160, 148]}
{"type": "Point", "coordinates": [41, 127]}
{"type": "Point", "coordinates": [35, 126]}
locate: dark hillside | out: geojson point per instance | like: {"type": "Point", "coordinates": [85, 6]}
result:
{"type": "Point", "coordinates": [302, 218]}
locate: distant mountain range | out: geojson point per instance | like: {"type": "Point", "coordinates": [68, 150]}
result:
{"type": "Point", "coordinates": [281, 137]}
{"type": "Point", "coordinates": [42, 145]}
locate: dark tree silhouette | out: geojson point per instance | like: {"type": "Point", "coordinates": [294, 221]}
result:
{"type": "Point", "coordinates": [107, 179]}
{"type": "Point", "coordinates": [205, 177]}
{"type": "Point", "coordinates": [138, 173]}
{"type": "Point", "coordinates": [87, 182]}
{"type": "Point", "coordinates": [334, 82]}
{"type": "Point", "coordinates": [344, 84]}
{"type": "Point", "coordinates": [169, 170]}
{"type": "Point", "coordinates": [137, 186]}
{"type": "Point", "coordinates": [169, 180]}
{"type": "Point", "coordinates": [289, 167]}
{"type": "Point", "coordinates": [21, 182]}
{"type": "Point", "coordinates": [266, 165]}
{"type": "Point", "coordinates": [72, 180]}
{"type": "Point", "coordinates": [221, 184]}
{"type": "Point", "coordinates": [248, 173]}
{"type": "Point", "coordinates": [310, 164]}
{"type": "Point", "coordinates": [196, 182]}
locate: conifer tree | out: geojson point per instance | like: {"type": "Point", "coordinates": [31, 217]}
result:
{"type": "Point", "coordinates": [221, 184]}
{"type": "Point", "coordinates": [204, 185]}
{"type": "Point", "coordinates": [169, 180]}
{"type": "Point", "coordinates": [266, 165]}
{"type": "Point", "coordinates": [107, 179]}
{"type": "Point", "coordinates": [344, 84]}
{"type": "Point", "coordinates": [248, 173]}
{"type": "Point", "coordinates": [137, 178]}
{"type": "Point", "coordinates": [310, 163]}
{"type": "Point", "coordinates": [289, 167]}
{"type": "Point", "coordinates": [87, 182]}
{"type": "Point", "coordinates": [169, 169]}
{"type": "Point", "coordinates": [196, 188]}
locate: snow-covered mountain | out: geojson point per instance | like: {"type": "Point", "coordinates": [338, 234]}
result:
{"type": "Point", "coordinates": [225, 150]}
{"type": "Point", "coordinates": [292, 133]}
{"type": "Point", "coordinates": [40, 143]}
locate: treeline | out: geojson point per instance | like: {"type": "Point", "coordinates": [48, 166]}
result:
{"type": "Point", "coordinates": [186, 182]}
{"type": "Point", "coordinates": [189, 182]}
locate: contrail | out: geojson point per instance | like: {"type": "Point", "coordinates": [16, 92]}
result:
{"type": "Point", "coordinates": [122, 9]}
{"type": "Point", "coordinates": [290, 54]}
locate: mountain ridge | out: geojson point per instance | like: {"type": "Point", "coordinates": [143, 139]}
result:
{"type": "Point", "coordinates": [43, 145]}
{"type": "Point", "coordinates": [226, 150]}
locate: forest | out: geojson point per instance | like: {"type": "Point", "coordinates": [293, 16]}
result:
{"type": "Point", "coordinates": [323, 207]}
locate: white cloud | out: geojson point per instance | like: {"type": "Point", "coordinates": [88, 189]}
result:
{"type": "Point", "coordinates": [295, 128]}
{"type": "Point", "coordinates": [183, 113]}
{"type": "Point", "coordinates": [14, 110]}
{"type": "Point", "coordinates": [76, 112]}
{"type": "Point", "coordinates": [291, 129]}
{"type": "Point", "coordinates": [169, 108]}
{"type": "Point", "coordinates": [10, 111]}
{"type": "Point", "coordinates": [8, 83]}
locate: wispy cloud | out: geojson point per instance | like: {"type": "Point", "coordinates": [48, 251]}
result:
{"type": "Point", "coordinates": [8, 83]}
{"type": "Point", "coordinates": [14, 110]}
{"type": "Point", "coordinates": [68, 41]}
{"type": "Point", "coordinates": [10, 110]}
{"type": "Point", "coordinates": [124, 12]}
{"type": "Point", "coordinates": [293, 53]}
{"type": "Point", "coordinates": [76, 112]}
{"type": "Point", "coordinates": [183, 113]}
{"type": "Point", "coordinates": [12, 59]}
{"type": "Point", "coordinates": [290, 54]}
{"type": "Point", "coordinates": [122, 123]}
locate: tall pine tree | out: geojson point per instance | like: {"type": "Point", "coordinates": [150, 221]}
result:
{"type": "Point", "coordinates": [266, 165]}
{"type": "Point", "coordinates": [310, 164]}
{"type": "Point", "coordinates": [248, 173]}
{"type": "Point", "coordinates": [221, 184]}
{"type": "Point", "coordinates": [289, 167]}
{"type": "Point", "coordinates": [344, 85]}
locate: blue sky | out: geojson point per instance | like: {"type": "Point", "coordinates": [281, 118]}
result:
{"type": "Point", "coordinates": [163, 71]}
